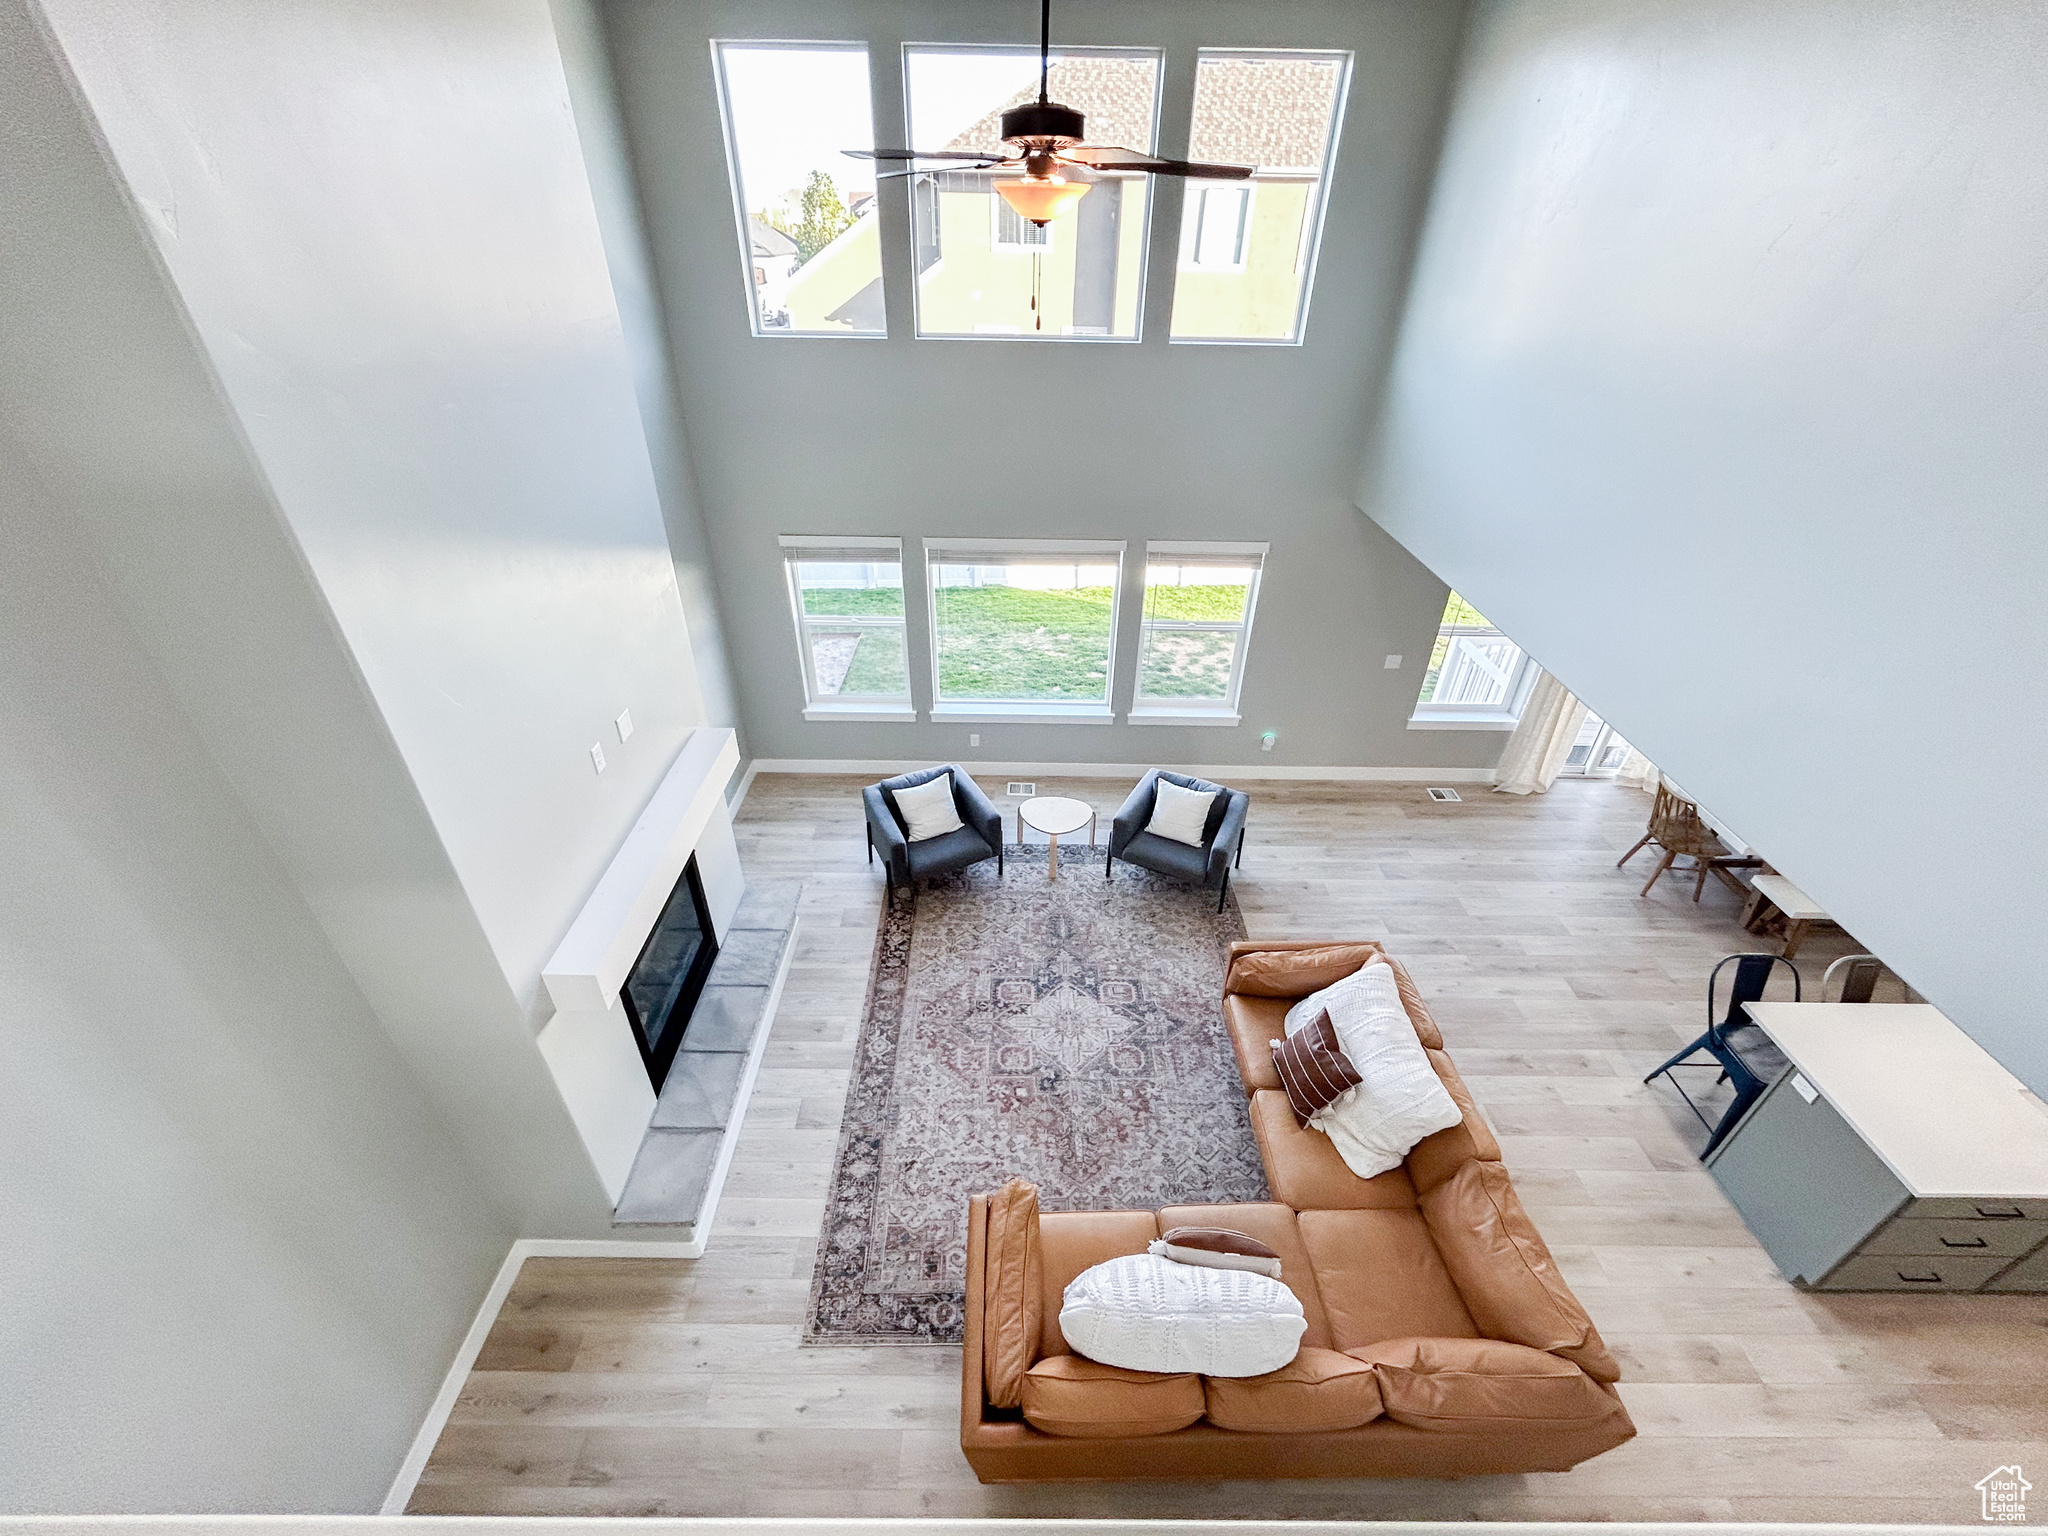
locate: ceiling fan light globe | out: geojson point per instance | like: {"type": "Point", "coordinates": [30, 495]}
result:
{"type": "Point", "coordinates": [1041, 199]}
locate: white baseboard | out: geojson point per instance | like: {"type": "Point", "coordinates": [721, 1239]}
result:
{"type": "Point", "coordinates": [480, 1327]}
{"type": "Point", "coordinates": [1223, 772]}
{"type": "Point", "coordinates": [746, 783]}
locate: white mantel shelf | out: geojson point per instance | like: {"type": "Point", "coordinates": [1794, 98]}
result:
{"type": "Point", "coordinates": [590, 965]}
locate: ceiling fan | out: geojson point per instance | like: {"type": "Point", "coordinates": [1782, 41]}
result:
{"type": "Point", "coordinates": [1045, 136]}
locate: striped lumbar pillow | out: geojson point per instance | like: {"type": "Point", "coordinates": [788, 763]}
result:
{"type": "Point", "coordinates": [1313, 1067]}
{"type": "Point", "coordinates": [1216, 1248]}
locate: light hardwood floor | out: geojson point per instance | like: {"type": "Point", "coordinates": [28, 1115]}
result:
{"type": "Point", "coordinates": [651, 1387]}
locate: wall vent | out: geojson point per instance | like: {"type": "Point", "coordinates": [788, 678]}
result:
{"type": "Point", "coordinates": [1019, 790]}
{"type": "Point", "coordinates": [1445, 794]}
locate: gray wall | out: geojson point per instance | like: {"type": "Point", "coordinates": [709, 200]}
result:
{"type": "Point", "coordinates": [412, 316]}
{"type": "Point", "coordinates": [903, 437]}
{"type": "Point", "coordinates": [1722, 388]}
{"type": "Point", "coordinates": [595, 99]}
{"type": "Point", "coordinates": [237, 1245]}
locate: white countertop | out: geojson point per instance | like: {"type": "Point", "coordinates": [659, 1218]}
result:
{"type": "Point", "coordinates": [1930, 1101]}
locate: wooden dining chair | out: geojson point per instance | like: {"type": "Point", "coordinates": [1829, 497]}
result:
{"type": "Point", "coordinates": [1677, 828]}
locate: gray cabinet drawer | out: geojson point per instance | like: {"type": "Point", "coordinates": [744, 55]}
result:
{"type": "Point", "coordinates": [1901, 1272]}
{"type": "Point", "coordinates": [1910, 1234]}
{"type": "Point", "coordinates": [1984, 1206]}
{"type": "Point", "coordinates": [2027, 1275]}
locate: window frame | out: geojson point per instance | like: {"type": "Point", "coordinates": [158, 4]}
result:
{"type": "Point", "coordinates": [964, 550]}
{"type": "Point", "coordinates": [1191, 238]}
{"type": "Point", "coordinates": [1144, 241]}
{"type": "Point", "coordinates": [1157, 710]}
{"type": "Point", "coordinates": [736, 182]}
{"type": "Point", "coordinates": [1348, 62]}
{"type": "Point", "coordinates": [1042, 246]}
{"type": "Point", "coordinates": [797, 549]}
{"type": "Point", "coordinates": [1504, 716]}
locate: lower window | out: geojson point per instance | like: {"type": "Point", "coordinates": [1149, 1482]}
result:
{"type": "Point", "coordinates": [1198, 620]}
{"type": "Point", "coordinates": [848, 601]}
{"type": "Point", "coordinates": [1023, 621]}
{"type": "Point", "coordinates": [1476, 676]}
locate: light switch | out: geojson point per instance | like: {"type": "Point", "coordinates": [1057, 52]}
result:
{"type": "Point", "coordinates": [1393, 663]}
{"type": "Point", "coordinates": [625, 724]}
{"type": "Point", "coordinates": [597, 756]}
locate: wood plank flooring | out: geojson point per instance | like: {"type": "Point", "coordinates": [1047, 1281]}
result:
{"type": "Point", "coordinates": [653, 1387]}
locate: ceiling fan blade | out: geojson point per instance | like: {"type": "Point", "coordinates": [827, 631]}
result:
{"type": "Point", "coordinates": [939, 170]}
{"type": "Point", "coordinates": [917, 154]}
{"type": "Point", "coordinates": [1111, 157]}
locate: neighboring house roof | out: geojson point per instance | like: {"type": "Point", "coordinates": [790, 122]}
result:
{"type": "Point", "coordinates": [1272, 113]}
{"type": "Point", "coordinates": [767, 240]}
{"type": "Point", "coordinates": [1115, 94]}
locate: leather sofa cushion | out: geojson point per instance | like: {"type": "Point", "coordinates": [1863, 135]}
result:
{"type": "Point", "coordinates": [1082, 1398]}
{"type": "Point", "coordinates": [1013, 1293]}
{"type": "Point", "coordinates": [1482, 1384]}
{"type": "Point", "coordinates": [1318, 1389]}
{"type": "Point", "coordinates": [1380, 1277]}
{"type": "Point", "coordinates": [1293, 973]}
{"type": "Point", "coordinates": [1505, 1272]}
{"type": "Point", "coordinates": [1304, 1170]}
{"type": "Point", "coordinates": [1435, 1158]}
{"type": "Point", "coordinates": [1274, 1225]}
{"type": "Point", "coordinates": [1253, 1023]}
{"type": "Point", "coordinates": [1071, 1241]}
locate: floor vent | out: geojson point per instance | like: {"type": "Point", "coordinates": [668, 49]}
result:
{"type": "Point", "coordinates": [1444, 794]}
{"type": "Point", "coordinates": [1020, 790]}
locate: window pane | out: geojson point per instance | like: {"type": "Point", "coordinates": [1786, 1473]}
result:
{"type": "Point", "coordinates": [978, 270]}
{"type": "Point", "coordinates": [1187, 663]}
{"type": "Point", "coordinates": [1209, 594]}
{"type": "Point", "coordinates": [1472, 665]}
{"type": "Point", "coordinates": [1247, 248]}
{"type": "Point", "coordinates": [853, 627]}
{"type": "Point", "coordinates": [1024, 630]}
{"type": "Point", "coordinates": [814, 253]}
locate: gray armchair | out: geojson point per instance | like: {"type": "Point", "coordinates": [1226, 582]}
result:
{"type": "Point", "coordinates": [1222, 836]}
{"type": "Point", "coordinates": [904, 862]}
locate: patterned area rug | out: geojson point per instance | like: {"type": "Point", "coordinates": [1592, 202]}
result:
{"type": "Point", "coordinates": [1069, 1032]}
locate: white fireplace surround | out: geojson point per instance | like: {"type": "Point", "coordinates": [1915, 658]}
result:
{"type": "Point", "coordinates": [589, 1044]}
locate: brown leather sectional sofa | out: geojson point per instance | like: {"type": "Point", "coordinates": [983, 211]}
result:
{"type": "Point", "coordinates": [1441, 1342]}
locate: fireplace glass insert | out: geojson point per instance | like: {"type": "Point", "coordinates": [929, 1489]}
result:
{"type": "Point", "coordinates": [663, 985]}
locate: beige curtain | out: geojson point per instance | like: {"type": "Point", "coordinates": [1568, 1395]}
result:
{"type": "Point", "coordinates": [1537, 751]}
{"type": "Point", "coordinates": [1638, 771]}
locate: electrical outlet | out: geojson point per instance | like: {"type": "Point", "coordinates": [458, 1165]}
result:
{"type": "Point", "coordinates": [597, 756]}
{"type": "Point", "coordinates": [1393, 663]}
{"type": "Point", "coordinates": [1266, 740]}
{"type": "Point", "coordinates": [625, 724]}
{"type": "Point", "coordinates": [974, 738]}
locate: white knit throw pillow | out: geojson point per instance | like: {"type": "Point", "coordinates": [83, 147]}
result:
{"type": "Point", "coordinates": [1146, 1313]}
{"type": "Point", "coordinates": [1181, 814]}
{"type": "Point", "coordinates": [928, 809]}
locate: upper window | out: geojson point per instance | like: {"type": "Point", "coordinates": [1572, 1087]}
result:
{"type": "Point", "coordinates": [1023, 624]}
{"type": "Point", "coordinates": [982, 270]}
{"type": "Point", "coordinates": [847, 595]}
{"type": "Point", "coordinates": [1477, 675]}
{"type": "Point", "coordinates": [1248, 250]}
{"type": "Point", "coordinates": [809, 242]}
{"type": "Point", "coordinates": [1197, 623]}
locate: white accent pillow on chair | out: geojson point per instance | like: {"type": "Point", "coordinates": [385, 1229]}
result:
{"type": "Point", "coordinates": [928, 809]}
{"type": "Point", "coordinates": [1181, 814]}
{"type": "Point", "coordinates": [1147, 1313]}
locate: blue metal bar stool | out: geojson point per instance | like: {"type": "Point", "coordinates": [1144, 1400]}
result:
{"type": "Point", "coordinates": [1752, 974]}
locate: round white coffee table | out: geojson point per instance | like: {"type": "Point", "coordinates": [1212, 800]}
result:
{"type": "Point", "coordinates": [1055, 816]}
